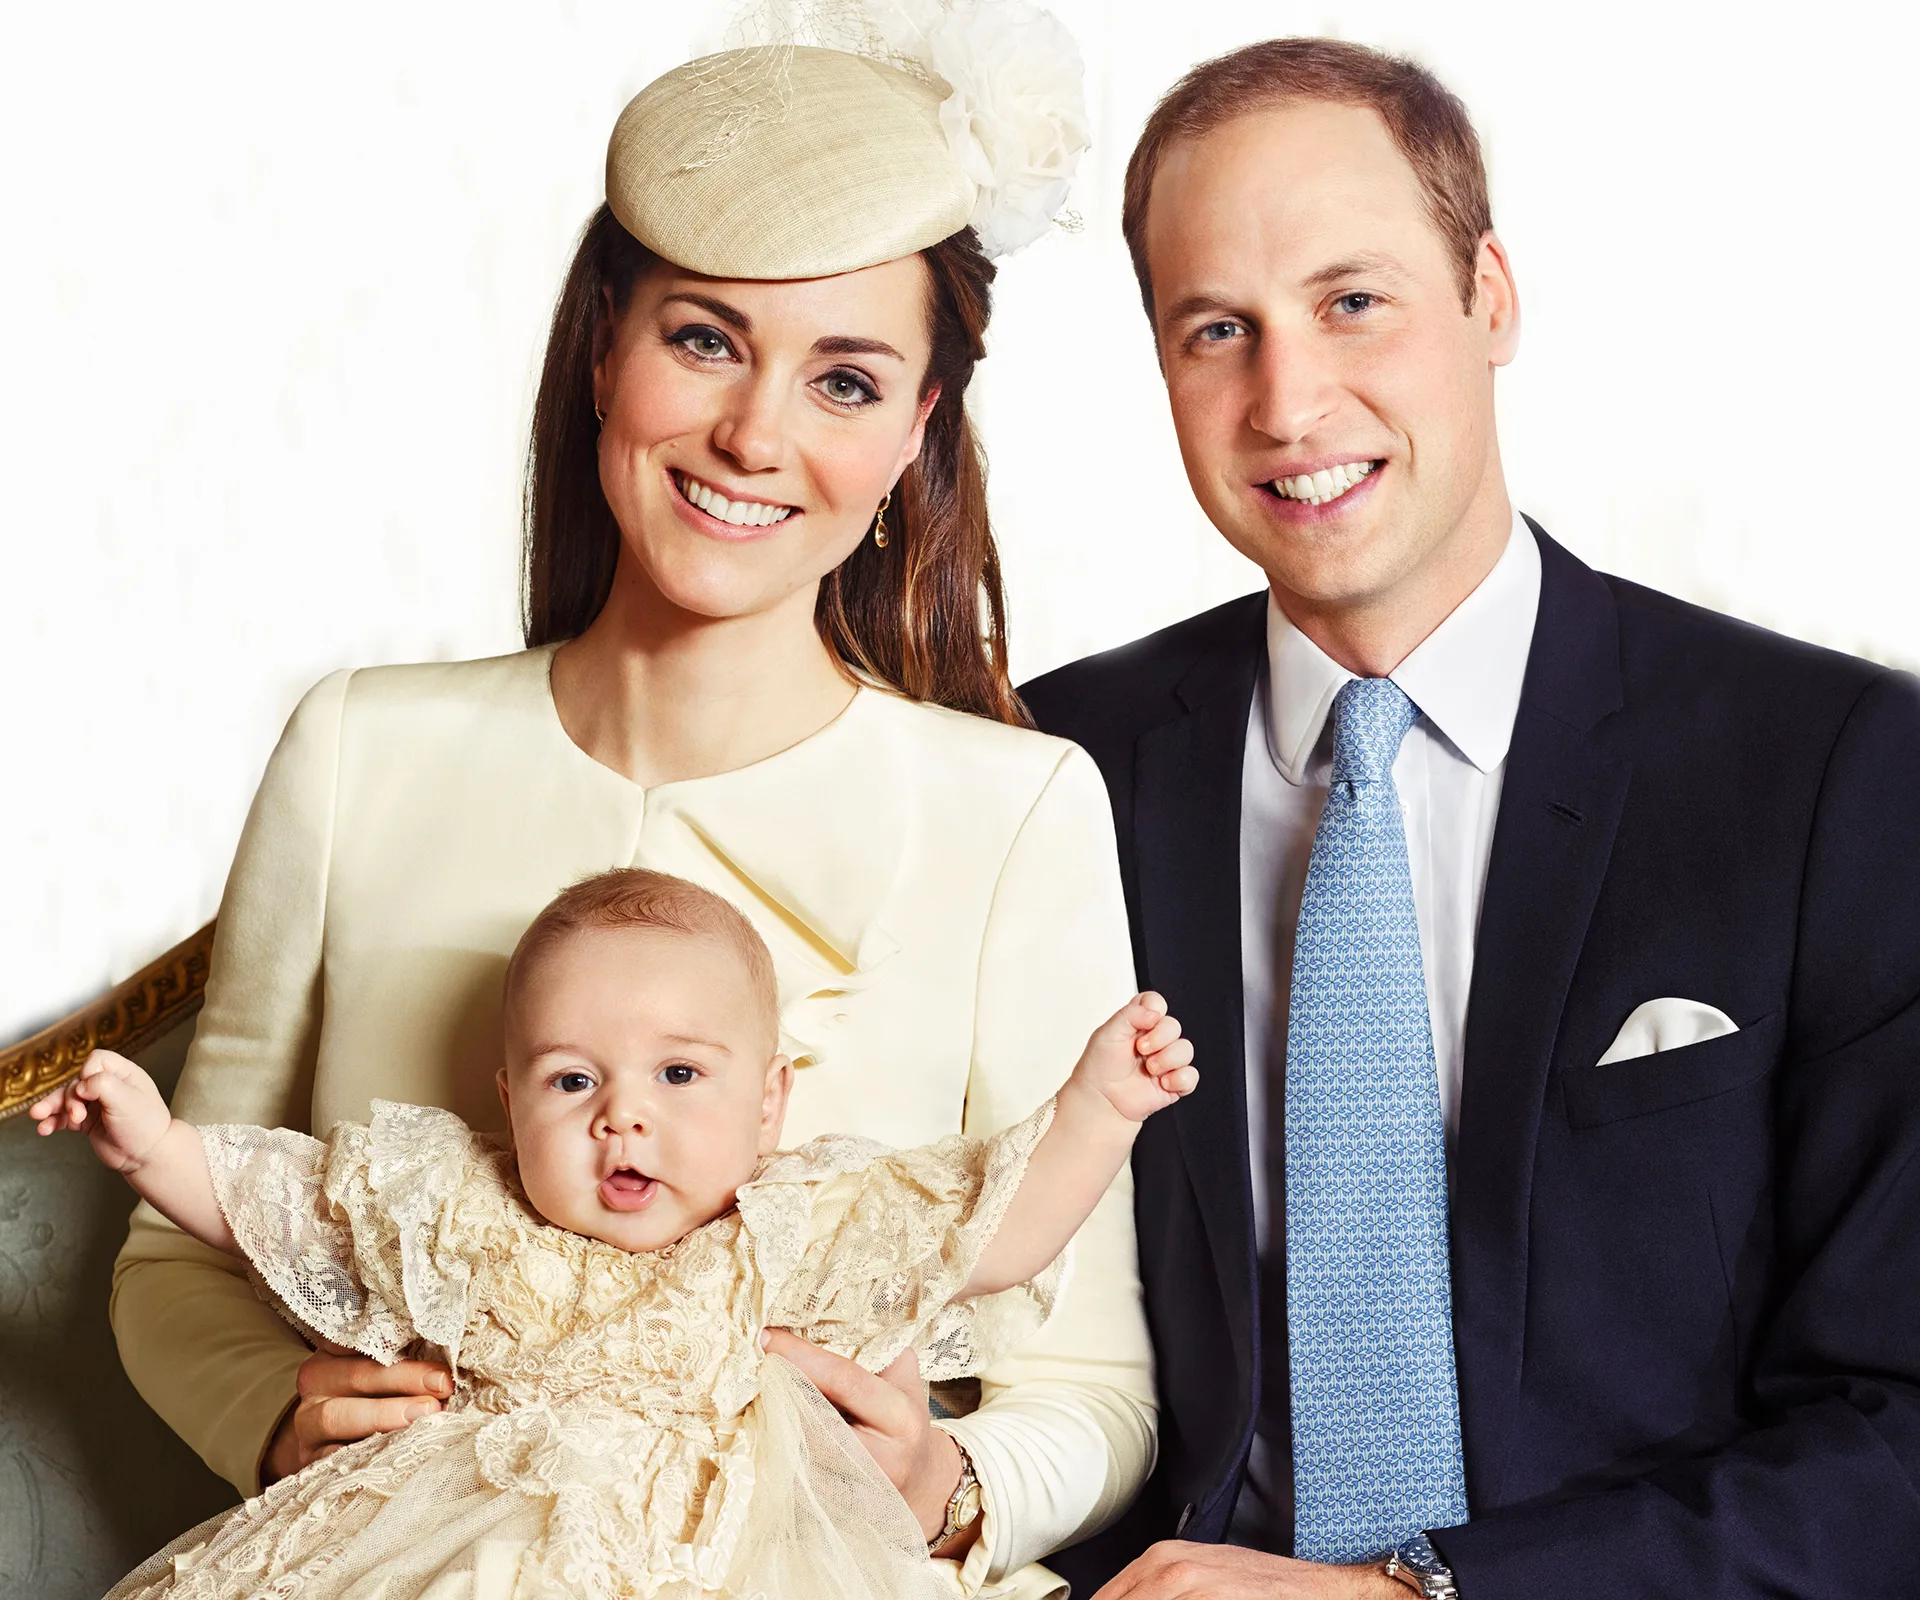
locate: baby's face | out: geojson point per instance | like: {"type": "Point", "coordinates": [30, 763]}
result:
{"type": "Point", "coordinates": [641, 1083]}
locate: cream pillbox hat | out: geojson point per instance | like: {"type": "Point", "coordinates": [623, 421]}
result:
{"type": "Point", "coordinates": [794, 161]}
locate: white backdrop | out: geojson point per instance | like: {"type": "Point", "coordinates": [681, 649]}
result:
{"type": "Point", "coordinates": [275, 283]}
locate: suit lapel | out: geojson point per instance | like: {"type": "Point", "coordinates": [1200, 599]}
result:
{"type": "Point", "coordinates": [1187, 821]}
{"type": "Point", "coordinates": [1559, 807]}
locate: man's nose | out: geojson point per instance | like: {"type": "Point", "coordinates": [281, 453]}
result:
{"type": "Point", "coordinates": [751, 429]}
{"type": "Point", "coordinates": [1294, 390]}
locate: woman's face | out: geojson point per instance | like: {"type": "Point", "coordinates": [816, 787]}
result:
{"type": "Point", "coordinates": [752, 427]}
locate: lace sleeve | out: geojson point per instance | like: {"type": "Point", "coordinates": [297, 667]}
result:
{"type": "Point", "coordinates": [865, 1250]}
{"type": "Point", "coordinates": [364, 1240]}
{"type": "Point", "coordinates": [272, 1188]}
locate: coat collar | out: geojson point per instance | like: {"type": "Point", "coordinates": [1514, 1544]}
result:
{"type": "Point", "coordinates": [1560, 805]}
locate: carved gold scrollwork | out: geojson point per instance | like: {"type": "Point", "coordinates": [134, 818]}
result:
{"type": "Point", "coordinates": [127, 1018]}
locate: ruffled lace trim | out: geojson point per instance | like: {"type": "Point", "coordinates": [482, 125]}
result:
{"type": "Point", "coordinates": [865, 1250]}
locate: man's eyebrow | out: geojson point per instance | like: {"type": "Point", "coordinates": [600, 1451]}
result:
{"type": "Point", "coordinates": [1204, 300]}
{"type": "Point", "coordinates": [732, 316]}
{"type": "Point", "coordinates": [1367, 264]}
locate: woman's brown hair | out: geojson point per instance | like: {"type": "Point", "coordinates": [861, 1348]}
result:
{"type": "Point", "coordinates": [925, 615]}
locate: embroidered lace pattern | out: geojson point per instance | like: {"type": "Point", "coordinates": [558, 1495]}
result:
{"type": "Point", "coordinates": [615, 1429]}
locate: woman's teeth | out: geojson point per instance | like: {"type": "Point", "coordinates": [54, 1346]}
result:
{"type": "Point", "coordinates": [740, 513]}
{"type": "Point", "coordinates": [1317, 488]}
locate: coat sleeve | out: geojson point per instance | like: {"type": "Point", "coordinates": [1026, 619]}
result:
{"type": "Point", "coordinates": [205, 1352]}
{"type": "Point", "coordinates": [1821, 1500]}
{"type": "Point", "coordinates": [1065, 1433]}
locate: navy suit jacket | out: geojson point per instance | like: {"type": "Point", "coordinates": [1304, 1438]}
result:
{"type": "Point", "coordinates": [1686, 1287]}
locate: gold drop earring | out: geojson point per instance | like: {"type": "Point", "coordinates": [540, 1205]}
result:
{"type": "Point", "coordinates": [880, 520]}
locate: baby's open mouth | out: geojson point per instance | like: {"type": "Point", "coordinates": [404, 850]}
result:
{"type": "Point", "coordinates": [627, 1190]}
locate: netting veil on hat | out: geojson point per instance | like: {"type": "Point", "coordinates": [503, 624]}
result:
{"type": "Point", "coordinates": [842, 133]}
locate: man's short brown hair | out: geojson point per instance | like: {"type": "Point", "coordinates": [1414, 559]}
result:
{"type": "Point", "coordinates": [635, 897]}
{"type": "Point", "coordinates": [1426, 119]}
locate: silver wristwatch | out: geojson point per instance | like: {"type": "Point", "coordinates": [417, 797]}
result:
{"type": "Point", "coordinates": [1418, 1565]}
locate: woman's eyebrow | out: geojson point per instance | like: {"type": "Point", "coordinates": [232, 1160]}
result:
{"type": "Point", "coordinates": [734, 318]}
{"type": "Point", "coordinates": [841, 344]}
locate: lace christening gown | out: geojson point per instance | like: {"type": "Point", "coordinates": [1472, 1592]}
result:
{"type": "Point", "coordinates": [615, 1428]}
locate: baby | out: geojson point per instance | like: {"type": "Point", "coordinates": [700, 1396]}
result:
{"type": "Point", "coordinates": [601, 1282]}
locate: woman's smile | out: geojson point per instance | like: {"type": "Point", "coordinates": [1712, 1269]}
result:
{"type": "Point", "coordinates": [736, 511]}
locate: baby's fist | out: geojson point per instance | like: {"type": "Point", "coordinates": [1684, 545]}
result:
{"type": "Point", "coordinates": [112, 1102]}
{"type": "Point", "coordinates": [1138, 1060]}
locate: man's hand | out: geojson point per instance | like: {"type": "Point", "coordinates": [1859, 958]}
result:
{"type": "Point", "coordinates": [1175, 1570]}
{"type": "Point", "coordinates": [346, 1398]}
{"type": "Point", "coordinates": [888, 1414]}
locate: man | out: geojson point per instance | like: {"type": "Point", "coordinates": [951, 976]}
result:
{"type": "Point", "coordinates": [1567, 1209]}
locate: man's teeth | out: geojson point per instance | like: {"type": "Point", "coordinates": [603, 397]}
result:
{"type": "Point", "coordinates": [741, 513]}
{"type": "Point", "coordinates": [1317, 488]}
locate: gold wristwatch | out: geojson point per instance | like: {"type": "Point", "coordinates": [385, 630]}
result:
{"type": "Point", "coordinates": [964, 1505]}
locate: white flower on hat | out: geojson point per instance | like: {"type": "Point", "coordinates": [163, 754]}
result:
{"type": "Point", "coordinates": [1015, 114]}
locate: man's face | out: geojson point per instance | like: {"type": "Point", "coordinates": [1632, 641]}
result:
{"type": "Point", "coordinates": [1333, 400]}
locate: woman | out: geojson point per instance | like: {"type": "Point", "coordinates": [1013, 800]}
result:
{"type": "Point", "coordinates": [757, 555]}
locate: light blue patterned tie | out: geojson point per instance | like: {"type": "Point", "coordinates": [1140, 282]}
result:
{"type": "Point", "coordinates": [1376, 1408]}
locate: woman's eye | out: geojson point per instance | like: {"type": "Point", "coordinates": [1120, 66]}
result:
{"type": "Point", "coordinates": [708, 344]}
{"type": "Point", "coordinates": [678, 1076]}
{"type": "Point", "coordinates": [573, 1083]}
{"type": "Point", "coordinates": [848, 389]}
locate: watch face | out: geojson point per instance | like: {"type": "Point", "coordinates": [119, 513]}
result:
{"type": "Point", "coordinates": [969, 1507]}
{"type": "Point", "coordinates": [1418, 1556]}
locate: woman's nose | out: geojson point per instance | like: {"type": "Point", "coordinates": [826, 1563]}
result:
{"type": "Point", "coordinates": [749, 432]}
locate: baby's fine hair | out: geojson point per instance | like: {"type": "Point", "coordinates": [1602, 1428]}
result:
{"type": "Point", "coordinates": [636, 897]}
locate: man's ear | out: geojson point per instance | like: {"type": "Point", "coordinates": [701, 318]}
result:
{"type": "Point", "coordinates": [773, 1104]}
{"type": "Point", "coordinates": [1497, 298]}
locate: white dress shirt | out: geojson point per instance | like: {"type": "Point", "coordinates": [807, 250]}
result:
{"type": "Point", "coordinates": [1465, 677]}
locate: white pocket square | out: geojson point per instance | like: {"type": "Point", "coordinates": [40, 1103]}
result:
{"type": "Point", "coordinates": [1667, 1024]}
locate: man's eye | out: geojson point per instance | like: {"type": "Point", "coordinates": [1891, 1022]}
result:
{"type": "Point", "coordinates": [573, 1083]}
{"type": "Point", "coordinates": [1353, 304]}
{"type": "Point", "coordinates": [678, 1076]}
{"type": "Point", "coordinates": [1218, 332]}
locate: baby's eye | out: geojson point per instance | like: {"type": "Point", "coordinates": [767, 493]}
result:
{"type": "Point", "coordinates": [678, 1075]}
{"type": "Point", "coordinates": [573, 1082]}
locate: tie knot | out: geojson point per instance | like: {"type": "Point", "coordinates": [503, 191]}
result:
{"type": "Point", "coordinates": [1370, 718]}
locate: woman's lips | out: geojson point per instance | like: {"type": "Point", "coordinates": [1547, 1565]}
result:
{"type": "Point", "coordinates": [628, 1191]}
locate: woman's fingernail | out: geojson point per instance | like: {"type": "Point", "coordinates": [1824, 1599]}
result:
{"type": "Point", "coordinates": [442, 1384]}
{"type": "Point", "coordinates": [766, 1339]}
{"type": "Point", "coordinates": [419, 1409]}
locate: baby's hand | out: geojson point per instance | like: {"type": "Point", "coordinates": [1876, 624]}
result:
{"type": "Point", "coordinates": [1137, 1059]}
{"type": "Point", "coordinates": [114, 1104]}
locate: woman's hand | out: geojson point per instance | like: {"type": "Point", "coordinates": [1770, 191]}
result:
{"type": "Point", "coordinates": [346, 1398]}
{"type": "Point", "coordinates": [888, 1414]}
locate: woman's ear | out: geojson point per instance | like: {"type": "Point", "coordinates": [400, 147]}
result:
{"type": "Point", "coordinates": [773, 1105]}
{"type": "Point", "coordinates": [603, 326]}
{"type": "Point", "coordinates": [910, 451]}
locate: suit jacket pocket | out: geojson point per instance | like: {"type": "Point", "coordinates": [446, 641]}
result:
{"type": "Point", "coordinates": [1668, 1078]}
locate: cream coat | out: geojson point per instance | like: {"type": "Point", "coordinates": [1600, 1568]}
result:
{"type": "Point", "coordinates": [943, 904]}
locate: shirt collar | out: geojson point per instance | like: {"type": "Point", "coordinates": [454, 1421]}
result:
{"type": "Point", "coordinates": [1465, 676]}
